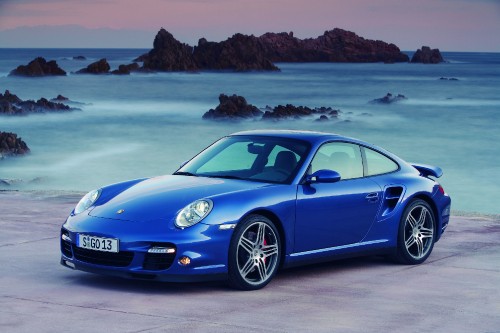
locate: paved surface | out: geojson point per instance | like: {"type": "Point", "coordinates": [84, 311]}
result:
{"type": "Point", "coordinates": [456, 290]}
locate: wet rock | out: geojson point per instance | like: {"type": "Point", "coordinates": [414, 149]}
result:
{"type": "Point", "coordinates": [99, 67]}
{"type": "Point", "coordinates": [126, 69]}
{"type": "Point", "coordinates": [323, 118]}
{"type": "Point", "coordinates": [11, 145]}
{"type": "Point", "coordinates": [238, 53]}
{"type": "Point", "coordinates": [448, 78]}
{"type": "Point", "coordinates": [248, 53]}
{"type": "Point", "coordinates": [141, 57]}
{"type": "Point", "coordinates": [79, 58]}
{"type": "Point", "coordinates": [168, 54]}
{"type": "Point", "coordinates": [232, 108]}
{"type": "Point", "coordinates": [335, 45]}
{"type": "Point", "coordinates": [236, 108]}
{"type": "Point", "coordinates": [60, 98]}
{"type": "Point", "coordinates": [10, 104]}
{"type": "Point", "coordinates": [389, 99]}
{"type": "Point", "coordinates": [38, 67]}
{"type": "Point", "coordinates": [427, 56]}
{"type": "Point", "coordinates": [290, 111]}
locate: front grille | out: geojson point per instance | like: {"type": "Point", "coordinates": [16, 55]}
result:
{"type": "Point", "coordinates": [65, 245]}
{"type": "Point", "coordinates": [120, 259]}
{"type": "Point", "coordinates": [158, 261]}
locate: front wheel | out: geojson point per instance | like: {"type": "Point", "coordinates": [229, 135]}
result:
{"type": "Point", "coordinates": [254, 253]}
{"type": "Point", "coordinates": [416, 233]}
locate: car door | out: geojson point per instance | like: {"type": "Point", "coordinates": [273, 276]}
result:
{"type": "Point", "coordinates": [340, 213]}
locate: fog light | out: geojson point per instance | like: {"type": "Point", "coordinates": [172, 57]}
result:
{"type": "Point", "coordinates": [184, 261]}
{"type": "Point", "coordinates": [65, 238]}
{"type": "Point", "coordinates": [69, 264]}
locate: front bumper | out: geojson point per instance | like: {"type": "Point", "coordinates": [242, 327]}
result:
{"type": "Point", "coordinates": [205, 245]}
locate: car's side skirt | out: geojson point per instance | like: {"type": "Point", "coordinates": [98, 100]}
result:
{"type": "Point", "coordinates": [375, 247]}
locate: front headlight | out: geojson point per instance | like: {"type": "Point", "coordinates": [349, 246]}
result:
{"type": "Point", "coordinates": [87, 201]}
{"type": "Point", "coordinates": [193, 213]}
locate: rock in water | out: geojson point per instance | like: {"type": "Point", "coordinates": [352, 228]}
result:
{"type": "Point", "coordinates": [168, 54]}
{"type": "Point", "coordinates": [11, 145]}
{"type": "Point", "coordinates": [60, 98]}
{"type": "Point", "coordinates": [245, 53]}
{"type": "Point", "coordinates": [427, 56]}
{"type": "Point", "coordinates": [389, 99]}
{"type": "Point", "coordinates": [98, 67]}
{"type": "Point", "coordinates": [335, 45]}
{"type": "Point", "coordinates": [10, 104]}
{"type": "Point", "coordinates": [126, 69]}
{"type": "Point", "coordinates": [290, 111]}
{"type": "Point", "coordinates": [38, 67]}
{"type": "Point", "coordinates": [238, 53]}
{"type": "Point", "coordinates": [232, 108]}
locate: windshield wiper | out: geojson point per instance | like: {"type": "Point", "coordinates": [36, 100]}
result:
{"type": "Point", "coordinates": [185, 173]}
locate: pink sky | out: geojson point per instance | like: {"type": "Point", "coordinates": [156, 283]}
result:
{"type": "Point", "coordinates": [451, 25]}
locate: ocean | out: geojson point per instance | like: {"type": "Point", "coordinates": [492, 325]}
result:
{"type": "Point", "coordinates": [142, 125]}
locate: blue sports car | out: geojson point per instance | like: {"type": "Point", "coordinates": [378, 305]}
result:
{"type": "Point", "coordinates": [254, 202]}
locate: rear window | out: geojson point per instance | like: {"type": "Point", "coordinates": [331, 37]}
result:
{"type": "Point", "coordinates": [377, 164]}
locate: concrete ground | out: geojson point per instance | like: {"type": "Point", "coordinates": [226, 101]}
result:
{"type": "Point", "coordinates": [456, 290]}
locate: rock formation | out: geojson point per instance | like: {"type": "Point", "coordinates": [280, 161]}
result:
{"type": "Point", "coordinates": [232, 108]}
{"type": "Point", "coordinates": [336, 45]}
{"type": "Point", "coordinates": [236, 108]}
{"type": "Point", "coordinates": [168, 54]}
{"type": "Point", "coordinates": [290, 111]}
{"type": "Point", "coordinates": [243, 53]}
{"type": "Point", "coordinates": [38, 67]}
{"type": "Point", "coordinates": [99, 67]}
{"type": "Point", "coordinates": [10, 145]}
{"type": "Point", "coordinates": [238, 53]}
{"type": "Point", "coordinates": [60, 98]}
{"type": "Point", "coordinates": [126, 69]}
{"type": "Point", "coordinates": [389, 99]}
{"type": "Point", "coordinates": [427, 56]}
{"type": "Point", "coordinates": [10, 104]}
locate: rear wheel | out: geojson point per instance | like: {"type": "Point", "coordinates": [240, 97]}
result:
{"type": "Point", "coordinates": [416, 233]}
{"type": "Point", "coordinates": [254, 253]}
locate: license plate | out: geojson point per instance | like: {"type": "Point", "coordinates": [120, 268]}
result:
{"type": "Point", "coordinates": [97, 243]}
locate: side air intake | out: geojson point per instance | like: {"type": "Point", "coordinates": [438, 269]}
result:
{"type": "Point", "coordinates": [392, 195]}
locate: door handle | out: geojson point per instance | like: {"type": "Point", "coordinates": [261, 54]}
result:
{"type": "Point", "coordinates": [372, 197]}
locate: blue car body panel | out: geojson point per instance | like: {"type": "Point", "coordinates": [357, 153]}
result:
{"type": "Point", "coordinates": [317, 221]}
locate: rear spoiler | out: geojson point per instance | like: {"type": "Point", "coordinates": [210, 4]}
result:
{"type": "Point", "coordinates": [428, 170]}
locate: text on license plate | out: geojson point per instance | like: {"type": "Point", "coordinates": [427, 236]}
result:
{"type": "Point", "coordinates": [97, 243]}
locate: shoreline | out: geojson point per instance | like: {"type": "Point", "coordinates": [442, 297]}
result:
{"type": "Point", "coordinates": [67, 196]}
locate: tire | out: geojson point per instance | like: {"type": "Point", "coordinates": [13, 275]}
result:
{"type": "Point", "coordinates": [254, 253]}
{"type": "Point", "coordinates": [416, 234]}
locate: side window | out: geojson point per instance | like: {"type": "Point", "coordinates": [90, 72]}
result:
{"type": "Point", "coordinates": [377, 164]}
{"type": "Point", "coordinates": [345, 158]}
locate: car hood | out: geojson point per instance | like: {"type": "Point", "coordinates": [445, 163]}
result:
{"type": "Point", "coordinates": [163, 197]}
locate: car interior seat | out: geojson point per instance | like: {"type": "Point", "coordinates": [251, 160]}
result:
{"type": "Point", "coordinates": [285, 160]}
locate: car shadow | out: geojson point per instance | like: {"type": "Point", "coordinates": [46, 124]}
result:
{"type": "Point", "coordinates": [154, 287]}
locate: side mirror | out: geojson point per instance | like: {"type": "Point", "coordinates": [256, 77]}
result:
{"type": "Point", "coordinates": [183, 164]}
{"type": "Point", "coordinates": [323, 176]}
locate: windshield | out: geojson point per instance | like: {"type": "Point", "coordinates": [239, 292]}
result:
{"type": "Point", "coordinates": [257, 158]}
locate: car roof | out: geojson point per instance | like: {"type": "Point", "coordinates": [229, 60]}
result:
{"type": "Point", "coordinates": [310, 136]}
